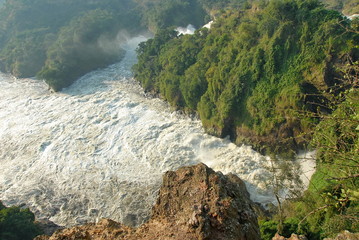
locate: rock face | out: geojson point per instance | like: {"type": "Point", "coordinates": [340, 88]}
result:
{"type": "Point", "coordinates": [194, 203]}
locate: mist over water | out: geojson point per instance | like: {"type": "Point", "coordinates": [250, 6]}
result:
{"type": "Point", "coordinates": [190, 29]}
{"type": "Point", "coordinates": [99, 148]}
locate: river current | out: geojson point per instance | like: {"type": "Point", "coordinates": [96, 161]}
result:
{"type": "Point", "coordinates": [99, 148]}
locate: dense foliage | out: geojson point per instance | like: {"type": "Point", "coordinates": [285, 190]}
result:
{"type": "Point", "coordinates": [78, 49]}
{"type": "Point", "coordinates": [61, 40]}
{"type": "Point", "coordinates": [250, 74]}
{"type": "Point", "coordinates": [63, 35]}
{"type": "Point", "coordinates": [283, 74]}
{"type": "Point", "coordinates": [43, 37]}
{"type": "Point", "coordinates": [17, 224]}
{"type": "Point", "coordinates": [159, 14]}
{"type": "Point", "coordinates": [331, 204]}
{"type": "Point", "coordinates": [277, 74]}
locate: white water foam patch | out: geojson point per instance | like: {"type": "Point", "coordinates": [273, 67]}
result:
{"type": "Point", "coordinates": [100, 147]}
{"type": "Point", "coordinates": [208, 25]}
{"type": "Point", "coordinates": [308, 165]}
{"type": "Point", "coordinates": [190, 29]}
{"type": "Point", "coordinates": [352, 17]}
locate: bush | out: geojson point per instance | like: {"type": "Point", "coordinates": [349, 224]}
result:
{"type": "Point", "coordinates": [17, 224]}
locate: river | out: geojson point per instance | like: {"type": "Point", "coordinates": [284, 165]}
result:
{"type": "Point", "coordinates": [99, 148]}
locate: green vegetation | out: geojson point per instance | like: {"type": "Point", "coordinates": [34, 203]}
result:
{"type": "Point", "coordinates": [17, 224]}
{"type": "Point", "coordinates": [331, 204]}
{"type": "Point", "coordinates": [77, 49]}
{"type": "Point", "coordinates": [61, 40]}
{"type": "Point", "coordinates": [42, 37]}
{"type": "Point", "coordinates": [250, 74]}
{"type": "Point", "coordinates": [333, 196]}
{"type": "Point", "coordinates": [160, 14]}
{"type": "Point", "coordinates": [281, 75]}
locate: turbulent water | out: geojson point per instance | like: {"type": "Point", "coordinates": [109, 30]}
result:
{"type": "Point", "coordinates": [99, 148]}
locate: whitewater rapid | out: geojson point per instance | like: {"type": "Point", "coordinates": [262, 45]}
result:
{"type": "Point", "coordinates": [99, 148]}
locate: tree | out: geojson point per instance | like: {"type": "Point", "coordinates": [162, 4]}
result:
{"type": "Point", "coordinates": [17, 224]}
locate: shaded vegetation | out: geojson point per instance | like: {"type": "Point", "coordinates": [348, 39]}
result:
{"type": "Point", "coordinates": [17, 224]}
{"type": "Point", "coordinates": [61, 40]}
{"type": "Point", "coordinates": [331, 204]}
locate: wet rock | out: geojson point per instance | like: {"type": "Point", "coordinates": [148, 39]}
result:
{"type": "Point", "coordinates": [193, 203]}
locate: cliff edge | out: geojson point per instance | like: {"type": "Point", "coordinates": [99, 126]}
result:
{"type": "Point", "coordinates": [194, 203]}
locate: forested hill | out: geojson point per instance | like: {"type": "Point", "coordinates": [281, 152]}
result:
{"type": "Point", "coordinates": [61, 40]}
{"type": "Point", "coordinates": [282, 76]}
{"type": "Point", "coordinates": [251, 74]}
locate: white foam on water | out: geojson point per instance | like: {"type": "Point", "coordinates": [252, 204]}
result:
{"type": "Point", "coordinates": [99, 148]}
{"type": "Point", "coordinates": [352, 17]}
{"type": "Point", "coordinates": [190, 29]}
{"type": "Point", "coordinates": [208, 25]}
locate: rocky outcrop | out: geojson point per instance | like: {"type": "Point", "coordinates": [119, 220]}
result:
{"type": "Point", "coordinates": [194, 203]}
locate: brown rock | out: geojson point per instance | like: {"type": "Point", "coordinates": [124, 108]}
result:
{"type": "Point", "coordinates": [193, 203]}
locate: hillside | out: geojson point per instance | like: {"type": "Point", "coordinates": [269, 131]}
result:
{"type": "Point", "coordinates": [251, 74]}
{"type": "Point", "coordinates": [281, 76]}
{"type": "Point", "coordinates": [60, 41]}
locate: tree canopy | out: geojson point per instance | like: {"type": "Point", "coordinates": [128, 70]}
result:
{"type": "Point", "coordinates": [17, 224]}
{"type": "Point", "coordinates": [248, 75]}
{"type": "Point", "coordinates": [61, 40]}
{"type": "Point", "coordinates": [282, 76]}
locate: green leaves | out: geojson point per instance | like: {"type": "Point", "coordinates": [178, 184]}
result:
{"type": "Point", "coordinates": [252, 70]}
{"type": "Point", "coordinates": [78, 49]}
{"type": "Point", "coordinates": [17, 224]}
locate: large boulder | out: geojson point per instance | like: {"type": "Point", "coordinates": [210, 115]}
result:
{"type": "Point", "coordinates": [193, 203]}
